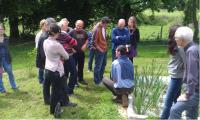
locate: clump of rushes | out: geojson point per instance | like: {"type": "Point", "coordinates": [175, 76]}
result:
{"type": "Point", "coordinates": [149, 87]}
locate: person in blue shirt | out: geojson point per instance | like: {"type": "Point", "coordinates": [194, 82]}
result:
{"type": "Point", "coordinates": [91, 51]}
{"type": "Point", "coordinates": [122, 76]}
{"type": "Point", "coordinates": [119, 36]}
{"type": "Point", "coordinates": [5, 61]}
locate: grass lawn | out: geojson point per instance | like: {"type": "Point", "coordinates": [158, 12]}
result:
{"type": "Point", "coordinates": [93, 102]}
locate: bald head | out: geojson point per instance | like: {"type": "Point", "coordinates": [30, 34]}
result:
{"type": "Point", "coordinates": [121, 23]}
{"type": "Point", "coordinates": [79, 25]}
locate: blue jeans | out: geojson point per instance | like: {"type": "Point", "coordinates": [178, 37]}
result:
{"type": "Point", "coordinates": [173, 92]}
{"type": "Point", "coordinates": [90, 59]}
{"type": "Point", "coordinates": [191, 106]}
{"type": "Point", "coordinates": [41, 75]}
{"type": "Point", "coordinates": [100, 64]}
{"type": "Point", "coordinates": [70, 67]}
{"type": "Point", "coordinates": [7, 68]}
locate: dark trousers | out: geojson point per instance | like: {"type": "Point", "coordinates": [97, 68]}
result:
{"type": "Point", "coordinates": [70, 67]}
{"type": "Point", "coordinates": [80, 59]}
{"type": "Point", "coordinates": [57, 90]}
{"type": "Point", "coordinates": [116, 91]}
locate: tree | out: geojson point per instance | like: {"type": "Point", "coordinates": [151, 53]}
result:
{"type": "Point", "coordinates": [13, 10]}
{"type": "Point", "coordinates": [189, 7]}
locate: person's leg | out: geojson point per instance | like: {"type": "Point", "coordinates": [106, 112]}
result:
{"type": "Point", "coordinates": [97, 68]}
{"type": "Point", "coordinates": [56, 91]}
{"type": "Point", "coordinates": [2, 89]}
{"type": "Point", "coordinates": [110, 85]}
{"type": "Point", "coordinates": [192, 113]}
{"type": "Point", "coordinates": [90, 59]}
{"type": "Point", "coordinates": [180, 106]}
{"type": "Point", "coordinates": [8, 68]}
{"type": "Point", "coordinates": [172, 93]}
{"type": "Point", "coordinates": [81, 60]}
{"type": "Point", "coordinates": [65, 98]}
{"type": "Point", "coordinates": [66, 68]}
{"type": "Point", "coordinates": [73, 75]}
{"type": "Point", "coordinates": [103, 66]}
{"type": "Point", "coordinates": [46, 86]}
{"type": "Point", "coordinates": [41, 75]}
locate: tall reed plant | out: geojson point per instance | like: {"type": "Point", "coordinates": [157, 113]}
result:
{"type": "Point", "coordinates": [148, 87]}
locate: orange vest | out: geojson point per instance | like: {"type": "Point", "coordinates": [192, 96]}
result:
{"type": "Point", "coordinates": [99, 39]}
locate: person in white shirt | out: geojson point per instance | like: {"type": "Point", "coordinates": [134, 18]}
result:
{"type": "Point", "coordinates": [54, 70]}
{"type": "Point", "coordinates": [43, 28]}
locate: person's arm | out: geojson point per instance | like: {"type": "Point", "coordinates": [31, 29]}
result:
{"type": "Point", "coordinates": [117, 39]}
{"type": "Point", "coordinates": [125, 38]}
{"type": "Point", "coordinates": [65, 38]}
{"type": "Point", "coordinates": [113, 73]}
{"type": "Point", "coordinates": [83, 48]}
{"type": "Point", "coordinates": [61, 51]}
{"type": "Point", "coordinates": [192, 73]}
{"type": "Point", "coordinates": [114, 37]}
{"type": "Point", "coordinates": [191, 76]}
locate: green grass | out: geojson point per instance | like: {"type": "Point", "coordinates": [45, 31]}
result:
{"type": "Point", "coordinates": [93, 102]}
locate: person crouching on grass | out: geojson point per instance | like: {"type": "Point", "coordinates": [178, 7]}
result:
{"type": "Point", "coordinates": [54, 70]}
{"type": "Point", "coordinates": [121, 82]}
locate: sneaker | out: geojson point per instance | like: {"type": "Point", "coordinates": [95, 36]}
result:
{"type": "Point", "coordinates": [57, 113]}
{"type": "Point", "coordinates": [117, 99]}
{"type": "Point", "coordinates": [70, 104]}
{"type": "Point", "coordinates": [83, 82]}
{"type": "Point", "coordinates": [124, 100]}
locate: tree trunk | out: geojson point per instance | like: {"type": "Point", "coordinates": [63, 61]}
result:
{"type": "Point", "coordinates": [195, 21]}
{"type": "Point", "coordinates": [14, 31]}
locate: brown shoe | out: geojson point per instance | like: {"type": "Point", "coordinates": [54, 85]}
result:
{"type": "Point", "coordinates": [124, 100]}
{"type": "Point", "coordinates": [117, 99]}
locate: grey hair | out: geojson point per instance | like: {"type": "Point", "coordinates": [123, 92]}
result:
{"type": "Point", "coordinates": [184, 33]}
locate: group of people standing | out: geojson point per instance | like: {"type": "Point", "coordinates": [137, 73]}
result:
{"type": "Point", "coordinates": [61, 55]}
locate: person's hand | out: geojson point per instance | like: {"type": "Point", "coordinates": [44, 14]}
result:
{"type": "Point", "coordinates": [182, 98]}
{"type": "Point", "coordinates": [117, 37]}
{"type": "Point", "coordinates": [83, 48]}
{"type": "Point", "coordinates": [73, 50]}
